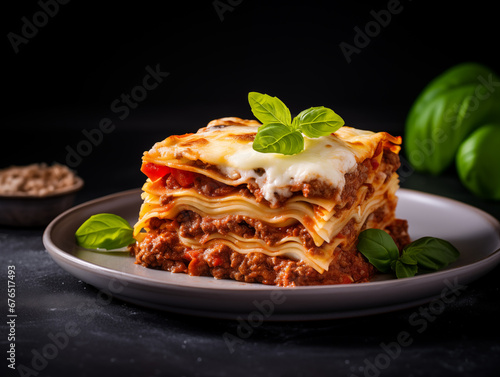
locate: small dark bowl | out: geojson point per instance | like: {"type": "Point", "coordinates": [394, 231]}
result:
{"type": "Point", "coordinates": [27, 210]}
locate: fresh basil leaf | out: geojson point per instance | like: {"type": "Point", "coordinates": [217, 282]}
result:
{"type": "Point", "coordinates": [317, 121]}
{"type": "Point", "coordinates": [278, 134]}
{"type": "Point", "coordinates": [431, 253]}
{"type": "Point", "coordinates": [104, 231]}
{"type": "Point", "coordinates": [379, 248]}
{"type": "Point", "coordinates": [424, 254]}
{"type": "Point", "coordinates": [277, 138]}
{"type": "Point", "coordinates": [407, 259]}
{"type": "Point", "coordinates": [269, 109]}
{"type": "Point", "coordinates": [404, 270]}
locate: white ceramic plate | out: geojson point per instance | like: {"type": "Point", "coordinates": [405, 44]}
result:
{"type": "Point", "coordinates": [475, 233]}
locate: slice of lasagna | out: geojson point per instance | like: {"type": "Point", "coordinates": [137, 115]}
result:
{"type": "Point", "coordinates": [214, 206]}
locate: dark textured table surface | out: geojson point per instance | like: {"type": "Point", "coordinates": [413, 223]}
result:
{"type": "Point", "coordinates": [64, 326]}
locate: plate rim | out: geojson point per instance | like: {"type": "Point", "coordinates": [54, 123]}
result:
{"type": "Point", "coordinates": [59, 255]}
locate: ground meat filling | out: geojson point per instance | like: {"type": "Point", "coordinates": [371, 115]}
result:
{"type": "Point", "coordinates": [212, 188]}
{"type": "Point", "coordinates": [193, 225]}
{"type": "Point", "coordinates": [162, 249]}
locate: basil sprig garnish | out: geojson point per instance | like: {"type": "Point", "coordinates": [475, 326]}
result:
{"type": "Point", "coordinates": [426, 254]}
{"type": "Point", "coordinates": [104, 231]}
{"type": "Point", "coordinates": [279, 133]}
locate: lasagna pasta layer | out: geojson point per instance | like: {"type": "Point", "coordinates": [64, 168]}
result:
{"type": "Point", "coordinates": [300, 220]}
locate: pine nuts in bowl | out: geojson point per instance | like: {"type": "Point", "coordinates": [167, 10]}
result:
{"type": "Point", "coordinates": [33, 195]}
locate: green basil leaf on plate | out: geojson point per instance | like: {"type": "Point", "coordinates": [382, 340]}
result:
{"type": "Point", "coordinates": [423, 255]}
{"type": "Point", "coordinates": [379, 248]}
{"type": "Point", "coordinates": [431, 253]}
{"type": "Point", "coordinates": [104, 231]}
{"type": "Point", "coordinates": [404, 270]}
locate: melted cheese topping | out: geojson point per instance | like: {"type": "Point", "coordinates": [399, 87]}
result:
{"type": "Point", "coordinates": [227, 144]}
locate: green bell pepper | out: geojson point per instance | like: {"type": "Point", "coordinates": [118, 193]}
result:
{"type": "Point", "coordinates": [449, 108]}
{"type": "Point", "coordinates": [478, 161]}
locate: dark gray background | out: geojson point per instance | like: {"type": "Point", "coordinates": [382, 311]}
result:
{"type": "Point", "coordinates": [66, 77]}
